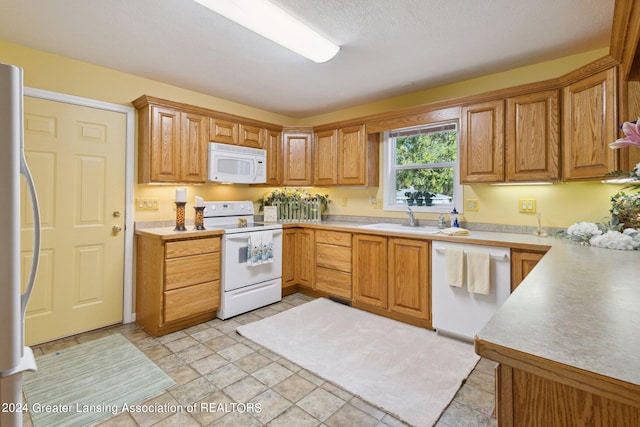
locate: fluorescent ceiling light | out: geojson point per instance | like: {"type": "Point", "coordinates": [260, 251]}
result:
{"type": "Point", "coordinates": [271, 22]}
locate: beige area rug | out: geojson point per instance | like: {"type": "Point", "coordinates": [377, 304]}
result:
{"type": "Point", "coordinates": [408, 371]}
{"type": "Point", "coordinates": [86, 383]}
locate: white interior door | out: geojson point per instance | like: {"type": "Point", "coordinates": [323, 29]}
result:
{"type": "Point", "coordinates": [77, 158]}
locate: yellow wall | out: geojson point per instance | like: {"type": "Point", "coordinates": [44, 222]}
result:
{"type": "Point", "coordinates": [56, 73]}
{"type": "Point", "coordinates": [560, 204]}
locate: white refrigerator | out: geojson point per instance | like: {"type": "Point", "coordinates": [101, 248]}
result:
{"type": "Point", "coordinates": [15, 357]}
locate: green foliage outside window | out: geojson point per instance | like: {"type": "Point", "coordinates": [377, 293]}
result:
{"type": "Point", "coordinates": [432, 156]}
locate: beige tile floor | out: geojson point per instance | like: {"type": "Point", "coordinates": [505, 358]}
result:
{"type": "Point", "coordinates": [211, 364]}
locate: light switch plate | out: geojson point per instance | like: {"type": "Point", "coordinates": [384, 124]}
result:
{"type": "Point", "coordinates": [147, 204]}
{"type": "Point", "coordinates": [472, 205]}
{"type": "Point", "coordinates": [527, 205]}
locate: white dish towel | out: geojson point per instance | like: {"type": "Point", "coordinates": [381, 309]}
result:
{"type": "Point", "coordinates": [455, 271]}
{"type": "Point", "coordinates": [254, 249]}
{"type": "Point", "coordinates": [266, 239]}
{"type": "Point", "coordinates": [478, 272]}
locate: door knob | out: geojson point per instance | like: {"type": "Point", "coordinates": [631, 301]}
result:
{"type": "Point", "coordinates": [116, 229]}
{"type": "Point", "coordinates": [116, 214]}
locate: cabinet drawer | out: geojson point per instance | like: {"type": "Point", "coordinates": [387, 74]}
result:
{"type": "Point", "coordinates": [333, 257]}
{"type": "Point", "coordinates": [186, 271]}
{"type": "Point", "coordinates": [192, 300]}
{"type": "Point", "coordinates": [333, 238]}
{"type": "Point", "coordinates": [192, 247]}
{"type": "Point", "coordinates": [333, 282]}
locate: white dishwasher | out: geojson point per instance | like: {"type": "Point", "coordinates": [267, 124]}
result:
{"type": "Point", "coordinates": [455, 310]}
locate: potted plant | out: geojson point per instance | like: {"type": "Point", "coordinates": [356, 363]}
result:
{"type": "Point", "coordinates": [428, 197]}
{"type": "Point", "coordinates": [411, 198]}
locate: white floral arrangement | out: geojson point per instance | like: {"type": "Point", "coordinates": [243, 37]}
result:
{"type": "Point", "coordinates": [604, 235]}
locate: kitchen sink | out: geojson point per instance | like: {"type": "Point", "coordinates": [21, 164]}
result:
{"type": "Point", "coordinates": [400, 228]}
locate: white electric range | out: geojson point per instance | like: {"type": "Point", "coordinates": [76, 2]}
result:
{"type": "Point", "coordinates": [251, 257]}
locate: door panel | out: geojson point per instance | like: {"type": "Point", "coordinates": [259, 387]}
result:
{"type": "Point", "coordinates": [77, 159]}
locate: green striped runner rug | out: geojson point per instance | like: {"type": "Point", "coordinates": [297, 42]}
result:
{"type": "Point", "coordinates": [89, 382]}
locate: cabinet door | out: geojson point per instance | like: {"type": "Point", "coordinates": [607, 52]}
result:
{"type": "Point", "coordinates": [165, 145]}
{"type": "Point", "coordinates": [251, 136]}
{"type": "Point", "coordinates": [193, 148]}
{"type": "Point", "coordinates": [588, 126]}
{"type": "Point", "coordinates": [370, 270]}
{"type": "Point", "coordinates": [305, 257]}
{"type": "Point", "coordinates": [273, 145]}
{"type": "Point", "coordinates": [482, 143]}
{"type": "Point", "coordinates": [522, 262]}
{"type": "Point", "coordinates": [223, 131]}
{"type": "Point", "coordinates": [326, 158]}
{"type": "Point", "coordinates": [352, 156]}
{"type": "Point", "coordinates": [533, 137]}
{"type": "Point", "coordinates": [297, 160]}
{"type": "Point", "coordinates": [289, 257]}
{"type": "Point", "coordinates": [409, 277]}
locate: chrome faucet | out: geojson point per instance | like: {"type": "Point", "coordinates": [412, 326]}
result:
{"type": "Point", "coordinates": [412, 219]}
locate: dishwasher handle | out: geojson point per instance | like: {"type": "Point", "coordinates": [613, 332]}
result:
{"type": "Point", "coordinates": [504, 257]}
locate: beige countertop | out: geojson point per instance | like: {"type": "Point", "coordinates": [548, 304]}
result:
{"type": "Point", "coordinates": [169, 233]}
{"type": "Point", "coordinates": [580, 306]}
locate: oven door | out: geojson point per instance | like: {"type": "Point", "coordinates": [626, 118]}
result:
{"type": "Point", "coordinates": [236, 273]}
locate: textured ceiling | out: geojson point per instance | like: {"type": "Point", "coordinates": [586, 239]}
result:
{"type": "Point", "coordinates": [389, 47]}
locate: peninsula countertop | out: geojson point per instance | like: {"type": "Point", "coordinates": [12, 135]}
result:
{"type": "Point", "coordinates": [580, 307]}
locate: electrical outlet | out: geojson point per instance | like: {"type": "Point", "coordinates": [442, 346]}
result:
{"type": "Point", "coordinates": [527, 205]}
{"type": "Point", "coordinates": [147, 204]}
{"type": "Point", "coordinates": [472, 205]}
{"type": "Point", "coordinates": [344, 202]}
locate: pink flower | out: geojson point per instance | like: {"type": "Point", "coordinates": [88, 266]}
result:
{"type": "Point", "coordinates": [632, 135]}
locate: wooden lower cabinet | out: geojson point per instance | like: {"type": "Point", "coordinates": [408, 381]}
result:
{"type": "Point", "coordinates": [298, 259]}
{"type": "Point", "coordinates": [305, 256]}
{"type": "Point", "coordinates": [177, 282]}
{"type": "Point", "coordinates": [409, 277]}
{"type": "Point", "coordinates": [370, 270]}
{"type": "Point", "coordinates": [524, 398]}
{"type": "Point", "coordinates": [391, 278]}
{"type": "Point", "coordinates": [289, 283]}
{"type": "Point", "coordinates": [522, 262]}
{"type": "Point", "coordinates": [333, 263]}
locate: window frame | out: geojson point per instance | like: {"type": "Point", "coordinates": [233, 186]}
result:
{"type": "Point", "coordinates": [390, 168]}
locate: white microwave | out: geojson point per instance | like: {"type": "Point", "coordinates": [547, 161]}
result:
{"type": "Point", "coordinates": [236, 165]}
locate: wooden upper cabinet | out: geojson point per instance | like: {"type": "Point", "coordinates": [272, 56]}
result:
{"type": "Point", "coordinates": [482, 143]}
{"type": "Point", "coordinates": [251, 136]}
{"type": "Point", "coordinates": [163, 164]}
{"type": "Point", "coordinates": [533, 137]}
{"type": "Point", "coordinates": [273, 145]}
{"type": "Point", "coordinates": [223, 131]}
{"type": "Point", "coordinates": [172, 145]}
{"type": "Point", "coordinates": [297, 149]}
{"type": "Point", "coordinates": [352, 156]}
{"type": "Point", "coordinates": [325, 158]}
{"type": "Point", "coordinates": [193, 147]}
{"type": "Point", "coordinates": [588, 126]}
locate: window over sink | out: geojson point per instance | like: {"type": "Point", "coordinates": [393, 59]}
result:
{"type": "Point", "coordinates": [421, 167]}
